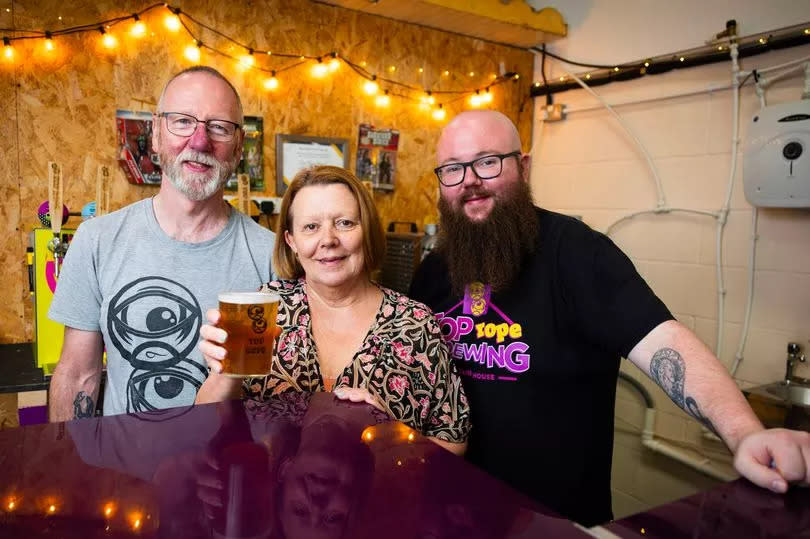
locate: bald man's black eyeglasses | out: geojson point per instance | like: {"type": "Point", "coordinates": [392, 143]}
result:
{"type": "Point", "coordinates": [486, 168]}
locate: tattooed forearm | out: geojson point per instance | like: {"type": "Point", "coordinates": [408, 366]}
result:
{"type": "Point", "coordinates": [694, 410]}
{"type": "Point", "coordinates": [668, 370]}
{"type": "Point", "coordinates": [83, 405]}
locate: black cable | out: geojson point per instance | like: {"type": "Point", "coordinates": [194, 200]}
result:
{"type": "Point", "coordinates": [549, 99]}
{"type": "Point", "coordinates": [756, 78]}
{"type": "Point", "coordinates": [362, 71]}
{"type": "Point", "coordinates": [581, 64]}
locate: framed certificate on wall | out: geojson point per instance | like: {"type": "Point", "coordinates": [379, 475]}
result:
{"type": "Point", "coordinates": [297, 152]}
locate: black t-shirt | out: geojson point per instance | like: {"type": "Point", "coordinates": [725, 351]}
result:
{"type": "Point", "coordinates": [540, 361]}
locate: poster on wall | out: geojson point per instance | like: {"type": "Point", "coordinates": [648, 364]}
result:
{"type": "Point", "coordinates": [139, 161]}
{"type": "Point", "coordinates": [297, 152]}
{"type": "Point", "coordinates": [377, 156]}
{"type": "Point", "coordinates": [252, 162]}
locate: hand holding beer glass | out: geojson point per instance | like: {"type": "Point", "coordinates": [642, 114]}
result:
{"type": "Point", "coordinates": [245, 329]}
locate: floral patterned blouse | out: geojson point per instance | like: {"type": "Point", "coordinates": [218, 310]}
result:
{"type": "Point", "coordinates": [403, 361]}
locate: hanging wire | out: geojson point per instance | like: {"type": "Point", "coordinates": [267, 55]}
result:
{"type": "Point", "coordinates": [185, 17]}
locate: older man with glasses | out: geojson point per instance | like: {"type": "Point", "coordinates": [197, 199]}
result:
{"type": "Point", "coordinates": [538, 309]}
{"type": "Point", "coordinates": [135, 283]}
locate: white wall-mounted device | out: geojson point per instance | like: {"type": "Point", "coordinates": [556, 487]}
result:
{"type": "Point", "coordinates": [776, 164]}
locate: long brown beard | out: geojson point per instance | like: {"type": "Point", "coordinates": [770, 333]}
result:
{"type": "Point", "coordinates": [491, 251]}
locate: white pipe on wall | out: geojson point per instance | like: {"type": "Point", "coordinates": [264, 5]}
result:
{"type": "Point", "coordinates": [662, 200]}
{"type": "Point", "coordinates": [723, 213]}
{"type": "Point", "coordinates": [701, 464]}
{"type": "Point", "coordinates": [663, 97]}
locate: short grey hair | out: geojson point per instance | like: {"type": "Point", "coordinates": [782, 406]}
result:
{"type": "Point", "coordinates": [209, 71]}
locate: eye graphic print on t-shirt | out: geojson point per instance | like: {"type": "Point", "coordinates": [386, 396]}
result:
{"type": "Point", "coordinates": [154, 324]}
{"type": "Point", "coordinates": [482, 348]}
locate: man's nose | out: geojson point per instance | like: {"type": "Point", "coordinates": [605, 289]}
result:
{"type": "Point", "coordinates": [199, 139]}
{"type": "Point", "coordinates": [470, 177]}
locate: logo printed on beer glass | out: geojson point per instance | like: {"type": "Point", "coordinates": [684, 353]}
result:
{"type": "Point", "coordinates": [256, 313]}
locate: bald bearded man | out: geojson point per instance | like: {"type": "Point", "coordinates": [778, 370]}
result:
{"type": "Point", "coordinates": [538, 310]}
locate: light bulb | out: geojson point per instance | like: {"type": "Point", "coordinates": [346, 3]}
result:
{"type": "Point", "coordinates": [487, 97]}
{"type": "Point", "coordinates": [271, 83]}
{"type": "Point", "coordinates": [246, 61]}
{"type": "Point", "coordinates": [334, 64]}
{"type": "Point", "coordinates": [439, 113]}
{"type": "Point", "coordinates": [8, 50]}
{"type": "Point", "coordinates": [49, 46]}
{"type": "Point", "coordinates": [172, 22]}
{"type": "Point", "coordinates": [319, 70]}
{"type": "Point", "coordinates": [109, 509]}
{"type": "Point", "coordinates": [475, 100]}
{"type": "Point", "coordinates": [383, 100]}
{"type": "Point", "coordinates": [109, 41]}
{"type": "Point", "coordinates": [138, 29]}
{"type": "Point", "coordinates": [192, 53]}
{"type": "Point", "coordinates": [371, 87]}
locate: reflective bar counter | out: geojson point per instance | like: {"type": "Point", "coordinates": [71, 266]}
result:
{"type": "Point", "coordinates": [305, 466]}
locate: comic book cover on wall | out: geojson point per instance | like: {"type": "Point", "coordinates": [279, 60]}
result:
{"type": "Point", "coordinates": [135, 154]}
{"type": "Point", "coordinates": [377, 156]}
{"type": "Point", "coordinates": [252, 162]}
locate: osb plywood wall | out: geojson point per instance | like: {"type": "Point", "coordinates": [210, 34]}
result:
{"type": "Point", "coordinates": [61, 106]}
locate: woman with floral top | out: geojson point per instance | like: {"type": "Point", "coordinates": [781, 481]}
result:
{"type": "Point", "coordinates": [340, 331]}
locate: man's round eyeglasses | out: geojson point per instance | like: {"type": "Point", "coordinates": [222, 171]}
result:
{"type": "Point", "coordinates": [184, 125]}
{"type": "Point", "coordinates": [486, 168]}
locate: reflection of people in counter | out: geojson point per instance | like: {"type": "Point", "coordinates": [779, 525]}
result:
{"type": "Point", "coordinates": [325, 485]}
{"type": "Point", "coordinates": [137, 281]}
{"type": "Point", "coordinates": [162, 448]}
{"type": "Point", "coordinates": [539, 342]}
{"type": "Point", "coordinates": [340, 330]}
{"type": "Point", "coordinates": [452, 506]}
{"type": "Point", "coordinates": [308, 477]}
{"type": "Point", "coordinates": [197, 459]}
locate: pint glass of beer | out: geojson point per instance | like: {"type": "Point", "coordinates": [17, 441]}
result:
{"type": "Point", "coordinates": [250, 320]}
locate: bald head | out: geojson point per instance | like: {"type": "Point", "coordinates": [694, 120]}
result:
{"type": "Point", "coordinates": [477, 132]}
{"type": "Point", "coordinates": [204, 71]}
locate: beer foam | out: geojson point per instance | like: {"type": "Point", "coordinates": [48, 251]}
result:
{"type": "Point", "coordinates": [247, 298]}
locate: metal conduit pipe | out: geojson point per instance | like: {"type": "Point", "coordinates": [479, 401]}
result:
{"type": "Point", "coordinates": [701, 464]}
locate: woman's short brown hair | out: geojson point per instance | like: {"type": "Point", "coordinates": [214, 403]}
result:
{"type": "Point", "coordinates": [285, 264]}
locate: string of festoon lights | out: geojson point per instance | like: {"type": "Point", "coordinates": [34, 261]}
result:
{"type": "Point", "coordinates": [381, 86]}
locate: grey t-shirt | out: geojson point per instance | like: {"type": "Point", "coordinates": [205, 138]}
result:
{"type": "Point", "coordinates": [148, 293]}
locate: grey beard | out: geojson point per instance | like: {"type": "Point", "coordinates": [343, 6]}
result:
{"type": "Point", "coordinates": [198, 186]}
